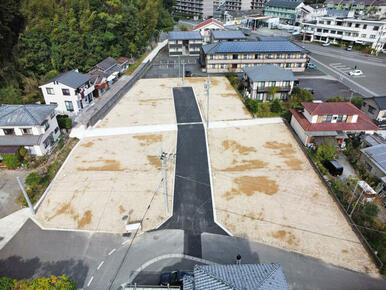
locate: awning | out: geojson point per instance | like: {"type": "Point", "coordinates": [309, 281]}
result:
{"type": "Point", "coordinates": [341, 135]}
{"type": "Point", "coordinates": [321, 133]}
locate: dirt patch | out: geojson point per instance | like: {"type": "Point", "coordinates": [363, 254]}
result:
{"type": "Point", "coordinates": [148, 139]}
{"type": "Point", "coordinates": [154, 160]}
{"type": "Point", "coordinates": [153, 101]}
{"type": "Point", "coordinates": [228, 95]}
{"type": "Point", "coordinates": [214, 82]}
{"type": "Point", "coordinates": [285, 236]}
{"type": "Point", "coordinates": [287, 152]}
{"type": "Point", "coordinates": [85, 220]}
{"type": "Point", "coordinates": [344, 251]}
{"type": "Point", "coordinates": [109, 165]}
{"type": "Point", "coordinates": [62, 210]}
{"type": "Point", "coordinates": [228, 86]}
{"type": "Point", "coordinates": [315, 195]}
{"type": "Point", "coordinates": [197, 80]}
{"type": "Point", "coordinates": [88, 144]}
{"type": "Point", "coordinates": [249, 185]}
{"type": "Point", "coordinates": [234, 146]}
{"type": "Point", "coordinates": [247, 165]}
{"type": "Point", "coordinates": [121, 209]}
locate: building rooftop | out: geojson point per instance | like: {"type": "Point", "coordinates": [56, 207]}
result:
{"type": "Point", "coordinates": [228, 34]}
{"type": "Point", "coordinates": [184, 35]}
{"type": "Point", "coordinates": [381, 102]}
{"type": "Point", "coordinates": [284, 4]}
{"type": "Point", "coordinates": [377, 154]}
{"type": "Point", "coordinates": [207, 22]}
{"type": "Point", "coordinates": [331, 108]}
{"type": "Point", "coordinates": [106, 63]}
{"type": "Point", "coordinates": [272, 38]}
{"type": "Point", "coordinates": [251, 47]}
{"type": "Point", "coordinates": [269, 72]}
{"type": "Point", "coordinates": [72, 79]}
{"type": "Point", "coordinates": [236, 277]}
{"type": "Point", "coordinates": [24, 115]}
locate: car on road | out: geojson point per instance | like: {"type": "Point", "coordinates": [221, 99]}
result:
{"type": "Point", "coordinates": [188, 73]}
{"type": "Point", "coordinates": [326, 44]}
{"type": "Point", "coordinates": [349, 48]}
{"type": "Point", "coordinates": [355, 72]}
{"type": "Point", "coordinates": [173, 278]}
{"type": "Point", "coordinates": [311, 65]}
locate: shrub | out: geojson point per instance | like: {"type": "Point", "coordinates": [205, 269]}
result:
{"type": "Point", "coordinates": [33, 179]}
{"type": "Point", "coordinates": [64, 122]}
{"type": "Point", "coordinates": [7, 283]}
{"type": "Point", "coordinates": [335, 99]}
{"type": "Point", "coordinates": [371, 210]}
{"type": "Point", "coordinates": [357, 102]}
{"type": "Point", "coordinates": [11, 161]}
{"type": "Point", "coordinates": [264, 109]}
{"type": "Point", "coordinates": [326, 152]}
{"type": "Point", "coordinates": [276, 106]}
{"type": "Point", "coordinates": [22, 152]}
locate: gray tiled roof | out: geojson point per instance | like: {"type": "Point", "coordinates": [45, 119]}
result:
{"type": "Point", "coordinates": [272, 38]}
{"type": "Point", "coordinates": [72, 78]}
{"type": "Point", "coordinates": [228, 34]}
{"type": "Point", "coordinates": [269, 72]}
{"type": "Point", "coordinates": [107, 63]}
{"type": "Point", "coordinates": [284, 3]}
{"type": "Point", "coordinates": [24, 115]}
{"type": "Point", "coordinates": [25, 140]}
{"type": "Point", "coordinates": [184, 35]}
{"type": "Point", "coordinates": [237, 277]}
{"type": "Point", "coordinates": [381, 102]}
{"type": "Point", "coordinates": [340, 13]}
{"type": "Point", "coordinates": [251, 47]}
{"type": "Point", "coordinates": [377, 154]}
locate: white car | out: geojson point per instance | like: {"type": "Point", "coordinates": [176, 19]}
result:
{"type": "Point", "coordinates": [326, 44]}
{"type": "Point", "coordinates": [355, 72]}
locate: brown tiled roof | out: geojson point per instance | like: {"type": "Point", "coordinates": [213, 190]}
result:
{"type": "Point", "coordinates": [331, 108]}
{"type": "Point", "coordinates": [206, 22]}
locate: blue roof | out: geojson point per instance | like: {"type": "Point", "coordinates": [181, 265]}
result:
{"type": "Point", "coordinates": [272, 38]}
{"type": "Point", "coordinates": [24, 115]}
{"type": "Point", "coordinates": [381, 102]}
{"type": "Point", "coordinates": [228, 34]}
{"type": "Point", "coordinates": [245, 276]}
{"type": "Point", "coordinates": [184, 35]}
{"type": "Point", "coordinates": [72, 79]}
{"type": "Point", "coordinates": [251, 47]}
{"type": "Point", "coordinates": [377, 154]}
{"type": "Point", "coordinates": [284, 3]}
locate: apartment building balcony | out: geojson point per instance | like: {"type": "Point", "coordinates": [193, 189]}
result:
{"type": "Point", "coordinates": [248, 61]}
{"type": "Point", "coordinates": [279, 89]}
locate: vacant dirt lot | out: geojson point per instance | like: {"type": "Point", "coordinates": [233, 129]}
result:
{"type": "Point", "coordinates": [266, 190]}
{"type": "Point", "coordinates": [109, 178]}
{"type": "Point", "coordinates": [150, 102]}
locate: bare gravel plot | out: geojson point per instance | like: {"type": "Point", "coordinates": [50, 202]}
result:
{"type": "Point", "coordinates": [266, 190]}
{"type": "Point", "coordinates": [224, 103]}
{"type": "Point", "coordinates": [108, 178]}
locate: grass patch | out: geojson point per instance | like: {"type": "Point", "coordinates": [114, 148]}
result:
{"type": "Point", "coordinates": [134, 66]}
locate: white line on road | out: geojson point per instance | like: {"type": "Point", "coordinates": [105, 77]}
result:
{"type": "Point", "coordinates": [112, 251]}
{"type": "Point", "coordinates": [100, 265]}
{"type": "Point", "coordinates": [125, 242]}
{"type": "Point", "coordinates": [89, 282]}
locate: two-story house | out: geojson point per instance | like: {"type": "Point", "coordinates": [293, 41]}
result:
{"type": "Point", "coordinates": [227, 35]}
{"type": "Point", "coordinates": [375, 109]}
{"type": "Point", "coordinates": [265, 80]}
{"type": "Point", "coordinates": [70, 91]}
{"type": "Point", "coordinates": [206, 27]}
{"type": "Point", "coordinates": [335, 120]}
{"type": "Point", "coordinates": [107, 68]}
{"type": "Point", "coordinates": [285, 10]}
{"type": "Point", "coordinates": [184, 43]}
{"type": "Point", "coordinates": [233, 56]}
{"type": "Point", "coordinates": [31, 126]}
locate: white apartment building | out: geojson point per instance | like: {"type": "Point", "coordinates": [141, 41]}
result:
{"type": "Point", "coordinates": [70, 91]}
{"type": "Point", "coordinates": [359, 31]}
{"type": "Point", "coordinates": [33, 127]}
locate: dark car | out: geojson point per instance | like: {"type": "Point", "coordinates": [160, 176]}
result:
{"type": "Point", "coordinates": [188, 73]}
{"type": "Point", "coordinates": [334, 167]}
{"type": "Point", "coordinates": [173, 278]}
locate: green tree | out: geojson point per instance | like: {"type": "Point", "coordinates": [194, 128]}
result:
{"type": "Point", "coordinates": [276, 106]}
{"type": "Point", "coordinates": [264, 109]}
{"type": "Point", "coordinates": [11, 161]}
{"type": "Point", "coordinates": [298, 96]}
{"type": "Point", "coordinates": [326, 152]}
{"type": "Point", "coordinates": [335, 99]}
{"type": "Point", "coordinates": [7, 283]}
{"type": "Point", "coordinates": [49, 283]}
{"type": "Point", "coordinates": [357, 102]}
{"type": "Point", "coordinates": [272, 92]}
{"type": "Point", "coordinates": [33, 179]}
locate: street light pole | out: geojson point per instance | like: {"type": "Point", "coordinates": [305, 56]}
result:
{"type": "Point", "coordinates": [25, 195]}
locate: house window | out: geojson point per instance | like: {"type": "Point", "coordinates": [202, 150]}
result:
{"type": "Point", "coordinates": [368, 167]}
{"type": "Point", "coordinates": [257, 56]}
{"type": "Point", "coordinates": [376, 28]}
{"type": "Point", "coordinates": [52, 115]}
{"type": "Point", "coordinates": [327, 118]}
{"type": "Point", "coordinates": [287, 65]}
{"type": "Point", "coordinates": [260, 96]}
{"type": "Point", "coordinates": [56, 130]}
{"type": "Point", "coordinates": [66, 92]}
{"type": "Point", "coordinates": [211, 56]}
{"type": "Point", "coordinates": [363, 35]}
{"type": "Point", "coordinates": [371, 109]}
{"type": "Point", "coordinates": [27, 131]}
{"type": "Point", "coordinates": [283, 96]}
{"type": "Point", "coordinates": [261, 84]}
{"type": "Point", "coordinates": [357, 25]}
{"type": "Point", "coordinates": [245, 56]}
{"type": "Point", "coordinates": [364, 26]}
{"type": "Point", "coordinates": [53, 103]}
{"type": "Point", "coordinates": [46, 125]}
{"type": "Point", "coordinates": [9, 131]}
{"type": "Point", "coordinates": [286, 84]}
{"type": "Point", "coordinates": [372, 36]}
{"type": "Point", "coordinates": [47, 142]}
{"type": "Point", "coordinates": [69, 106]}
{"type": "Point", "coordinates": [50, 91]}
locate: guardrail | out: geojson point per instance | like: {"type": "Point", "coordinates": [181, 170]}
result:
{"type": "Point", "coordinates": [354, 227]}
{"type": "Point", "coordinates": [108, 106]}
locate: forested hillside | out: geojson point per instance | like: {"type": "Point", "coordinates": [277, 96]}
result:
{"type": "Point", "coordinates": [40, 38]}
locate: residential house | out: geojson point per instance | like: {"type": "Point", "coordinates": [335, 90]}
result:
{"type": "Point", "coordinates": [123, 64]}
{"type": "Point", "coordinates": [286, 10]}
{"type": "Point", "coordinates": [70, 91]}
{"type": "Point", "coordinates": [312, 12]}
{"type": "Point", "coordinates": [236, 277]}
{"type": "Point", "coordinates": [375, 109]}
{"type": "Point", "coordinates": [200, 8]}
{"type": "Point", "coordinates": [333, 120]}
{"type": "Point", "coordinates": [267, 79]}
{"type": "Point", "coordinates": [206, 27]}
{"type": "Point", "coordinates": [351, 30]}
{"type": "Point", "coordinates": [109, 68]}
{"type": "Point", "coordinates": [33, 127]}
{"type": "Point", "coordinates": [361, 7]}
{"type": "Point", "coordinates": [227, 35]}
{"type": "Point", "coordinates": [184, 43]}
{"type": "Point", "coordinates": [233, 56]}
{"type": "Point", "coordinates": [374, 159]}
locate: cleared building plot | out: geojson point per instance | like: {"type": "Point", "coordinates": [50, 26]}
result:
{"type": "Point", "coordinates": [109, 181]}
{"type": "Point", "coordinates": [266, 190]}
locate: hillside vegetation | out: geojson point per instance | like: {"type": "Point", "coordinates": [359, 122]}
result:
{"type": "Point", "coordinates": [40, 38]}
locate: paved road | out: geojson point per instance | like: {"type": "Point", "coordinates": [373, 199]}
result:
{"type": "Point", "coordinates": [9, 190]}
{"type": "Point", "coordinates": [192, 208]}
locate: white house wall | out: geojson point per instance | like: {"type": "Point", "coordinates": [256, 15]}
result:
{"type": "Point", "coordinates": [299, 130]}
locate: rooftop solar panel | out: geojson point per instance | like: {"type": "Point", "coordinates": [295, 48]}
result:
{"type": "Point", "coordinates": [253, 46]}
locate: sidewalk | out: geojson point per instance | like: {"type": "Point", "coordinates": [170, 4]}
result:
{"type": "Point", "coordinates": [11, 224]}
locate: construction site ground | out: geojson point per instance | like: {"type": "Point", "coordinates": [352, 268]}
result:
{"type": "Point", "coordinates": [266, 190]}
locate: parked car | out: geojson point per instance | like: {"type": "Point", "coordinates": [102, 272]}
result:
{"type": "Point", "coordinates": [188, 73]}
{"type": "Point", "coordinates": [311, 65]}
{"type": "Point", "coordinates": [326, 44]}
{"type": "Point", "coordinates": [334, 167]}
{"type": "Point", "coordinates": [173, 278]}
{"type": "Point", "coordinates": [311, 90]}
{"type": "Point", "coordinates": [355, 72]}
{"type": "Point", "coordinates": [349, 48]}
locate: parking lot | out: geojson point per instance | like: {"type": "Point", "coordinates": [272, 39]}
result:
{"type": "Point", "coordinates": [266, 190]}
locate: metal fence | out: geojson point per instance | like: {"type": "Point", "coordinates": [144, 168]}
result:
{"type": "Point", "coordinates": [354, 227]}
{"type": "Point", "coordinates": [110, 104]}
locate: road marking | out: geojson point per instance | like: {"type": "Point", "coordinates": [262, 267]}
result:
{"type": "Point", "coordinates": [89, 282]}
{"type": "Point", "coordinates": [112, 251]}
{"type": "Point", "coordinates": [191, 123]}
{"type": "Point", "coordinates": [125, 242]}
{"type": "Point", "coordinates": [100, 265]}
